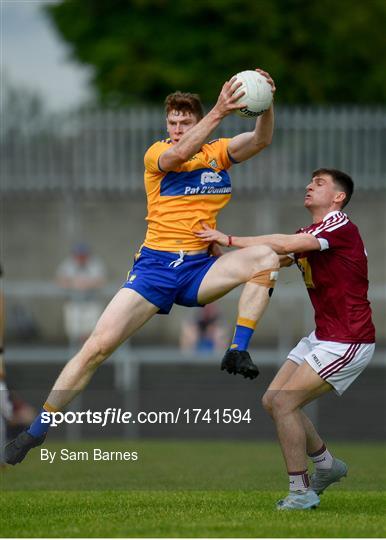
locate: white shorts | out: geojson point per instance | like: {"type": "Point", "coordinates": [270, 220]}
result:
{"type": "Point", "coordinates": [337, 363]}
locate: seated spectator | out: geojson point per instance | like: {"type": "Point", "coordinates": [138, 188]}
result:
{"type": "Point", "coordinates": [82, 275]}
{"type": "Point", "coordinates": [205, 332]}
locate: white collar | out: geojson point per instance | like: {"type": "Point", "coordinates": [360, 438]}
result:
{"type": "Point", "coordinates": [333, 213]}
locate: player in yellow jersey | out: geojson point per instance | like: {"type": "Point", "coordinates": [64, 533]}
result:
{"type": "Point", "coordinates": [187, 183]}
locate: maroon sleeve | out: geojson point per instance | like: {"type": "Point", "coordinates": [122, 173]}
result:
{"type": "Point", "coordinates": [339, 237]}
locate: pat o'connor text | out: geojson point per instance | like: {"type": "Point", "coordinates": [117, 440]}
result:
{"type": "Point", "coordinates": [95, 454]}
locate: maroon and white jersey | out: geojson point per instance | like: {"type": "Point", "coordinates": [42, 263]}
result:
{"type": "Point", "coordinates": [336, 280]}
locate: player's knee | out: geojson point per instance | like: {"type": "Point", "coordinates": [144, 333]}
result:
{"type": "Point", "coordinates": [279, 404]}
{"type": "Point", "coordinates": [270, 259]}
{"type": "Point", "coordinates": [98, 347]}
{"type": "Point", "coordinates": [264, 258]}
{"type": "Point", "coordinates": [267, 402]}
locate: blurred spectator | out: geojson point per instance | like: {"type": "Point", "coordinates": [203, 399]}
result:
{"type": "Point", "coordinates": [82, 271]}
{"type": "Point", "coordinates": [22, 416]}
{"type": "Point", "coordinates": [15, 414]}
{"type": "Point", "coordinates": [82, 275]}
{"type": "Point", "coordinates": [205, 332]}
{"type": "Point", "coordinates": [5, 402]}
{"type": "Point", "coordinates": [21, 323]}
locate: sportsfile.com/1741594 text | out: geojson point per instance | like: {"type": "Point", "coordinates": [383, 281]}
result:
{"type": "Point", "coordinates": [113, 415]}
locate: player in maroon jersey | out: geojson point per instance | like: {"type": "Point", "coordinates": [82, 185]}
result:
{"type": "Point", "coordinates": [332, 258]}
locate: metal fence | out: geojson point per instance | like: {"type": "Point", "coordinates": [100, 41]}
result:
{"type": "Point", "coordinates": [103, 150]}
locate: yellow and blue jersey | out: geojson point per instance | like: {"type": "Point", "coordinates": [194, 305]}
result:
{"type": "Point", "coordinates": [179, 201]}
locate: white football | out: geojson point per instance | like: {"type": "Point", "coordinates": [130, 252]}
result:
{"type": "Point", "coordinates": [258, 93]}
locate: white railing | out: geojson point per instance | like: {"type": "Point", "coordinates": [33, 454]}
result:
{"type": "Point", "coordinates": [285, 298]}
{"type": "Point", "coordinates": [103, 150]}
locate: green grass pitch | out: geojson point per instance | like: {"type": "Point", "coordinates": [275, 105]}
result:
{"type": "Point", "coordinates": [187, 489]}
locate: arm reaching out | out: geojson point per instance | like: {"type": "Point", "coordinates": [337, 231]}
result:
{"type": "Point", "coordinates": [283, 244]}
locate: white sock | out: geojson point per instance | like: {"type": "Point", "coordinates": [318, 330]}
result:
{"type": "Point", "coordinates": [322, 459]}
{"type": "Point", "coordinates": [298, 481]}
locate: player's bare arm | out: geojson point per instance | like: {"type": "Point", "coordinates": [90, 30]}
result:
{"type": "Point", "coordinates": [247, 145]}
{"type": "Point", "coordinates": [194, 137]}
{"type": "Point", "coordinates": [282, 244]}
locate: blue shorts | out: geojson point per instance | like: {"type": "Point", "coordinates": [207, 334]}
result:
{"type": "Point", "coordinates": [166, 278]}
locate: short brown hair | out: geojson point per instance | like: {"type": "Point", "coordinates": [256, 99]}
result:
{"type": "Point", "coordinates": [184, 102]}
{"type": "Point", "coordinates": [341, 179]}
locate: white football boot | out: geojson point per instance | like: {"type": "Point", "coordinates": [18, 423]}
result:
{"type": "Point", "coordinates": [322, 478]}
{"type": "Point", "coordinates": [299, 500]}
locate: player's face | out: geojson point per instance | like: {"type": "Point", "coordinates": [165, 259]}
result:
{"type": "Point", "coordinates": [178, 123]}
{"type": "Point", "coordinates": [321, 192]}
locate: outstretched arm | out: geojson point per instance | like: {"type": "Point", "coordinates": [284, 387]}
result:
{"type": "Point", "coordinates": [247, 145]}
{"type": "Point", "coordinates": [283, 244]}
{"type": "Point", "coordinates": [191, 142]}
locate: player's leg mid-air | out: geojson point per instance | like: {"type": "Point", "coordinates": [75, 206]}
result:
{"type": "Point", "coordinates": [253, 302]}
{"type": "Point", "coordinates": [252, 305]}
{"type": "Point", "coordinates": [125, 314]}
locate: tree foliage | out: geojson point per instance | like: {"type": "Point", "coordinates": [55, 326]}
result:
{"type": "Point", "coordinates": [318, 51]}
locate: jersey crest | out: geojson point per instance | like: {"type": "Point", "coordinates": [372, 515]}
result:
{"type": "Point", "coordinates": [305, 268]}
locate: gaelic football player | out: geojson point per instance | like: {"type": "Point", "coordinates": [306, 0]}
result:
{"type": "Point", "coordinates": [333, 261]}
{"type": "Point", "coordinates": [187, 182]}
